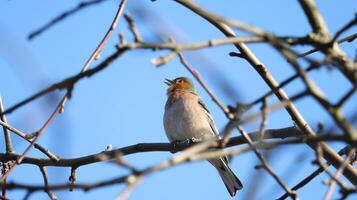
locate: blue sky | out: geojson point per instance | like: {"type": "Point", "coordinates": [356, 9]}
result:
{"type": "Point", "coordinates": [124, 104]}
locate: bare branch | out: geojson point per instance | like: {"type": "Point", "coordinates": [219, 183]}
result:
{"type": "Point", "coordinates": [7, 136]}
{"type": "Point", "coordinates": [264, 114]}
{"type": "Point", "coordinates": [349, 38]}
{"type": "Point", "coordinates": [328, 153]}
{"type": "Point", "coordinates": [60, 106]}
{"type": "Point", "coordinates": [315, 19]}
{"type": "Point", "coordinates": [71, 81]}
{"type": "Point", "coordinates": [51, 195]}
{"type": "Point", "coordinates": [25, 136]}
{"type": "Point", "coordinates": [133, 28]}
{"type": "Point", "coordinates": [198, 78]}
{"type": "Point", "coordinates": [231, 117]}
{"type": "Point", "coordinates": [314, 174]}
{"type": "Point", "coordinates": [332, 182]}
{"type": "Point", "coordinates": [353, 22]}
{"type": "Point", "coordinates": [61, 17]}
{"type": "Point", "coordinates": [199, 152]}
{"type": "Point", "coordinates": [145, 147]}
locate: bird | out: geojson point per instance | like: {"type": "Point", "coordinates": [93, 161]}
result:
{"type": "Point", "coordinates": [187, 118]}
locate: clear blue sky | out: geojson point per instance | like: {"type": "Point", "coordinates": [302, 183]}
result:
{"type": "Point", "coordinates": [124, 104]}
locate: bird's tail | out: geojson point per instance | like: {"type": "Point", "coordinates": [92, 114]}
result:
{"type": "Point", "coordinates": [230, 180]}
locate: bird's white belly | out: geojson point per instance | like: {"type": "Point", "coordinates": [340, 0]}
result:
{"type": "Point", "coordinates": [184, 120]}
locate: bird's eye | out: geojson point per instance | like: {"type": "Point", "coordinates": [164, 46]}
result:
{"type": "Point", "coordinates": [179, 81]}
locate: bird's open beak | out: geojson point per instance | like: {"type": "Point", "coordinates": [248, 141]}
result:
{"type": "Point", "coordinates": [168, 82]}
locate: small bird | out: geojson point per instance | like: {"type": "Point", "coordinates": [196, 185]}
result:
{"type": "Point", "coordinates": [187, 118]}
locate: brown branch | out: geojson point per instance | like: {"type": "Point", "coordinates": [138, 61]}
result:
{"type": "Point", "coordinates": [351, 23]}
{"type": "Point", "coordinates": [281, 85]}
{"type": "Point", "coordinates": [314, 174]}
{"type": "Point", "coordinates": [68, 82]}
{"type": "Point", "coordinates": [33, 142]}
{"type": "Point", "coordinates": [190, 46]}
{"type": "Point", "coordinates": [264, 114]}
{"type": "Point", "coordinates": [246, 137]}
{"type": "Point", "coordinates": [145, 147]}
{"type": "Point", "coordinates": [315, 19]}
{"type": "Point", "coordinates": [73, 178]}
{"type": "Point", "coordinates": [177, 159]}
{"type": "Point", "coordinates": [315, 92]}
{"type": "Point", "coordinates": [60, 106]}
{"type": "Point", "coordinates": [322, 39]}
{"type": "Point", "coordinates": [7, 136]}
{"type": "Point", "coordinates": [323, 165]}
{"type": "Point", "coordinates": [72, 80]}
{"type": "Point", "coordinates": [111, 29]}
{"type": "Point", "coordinates": [133, 181]}
{"type": "Point", "coordinates": [266, 165]}
{"type": "Point", "coordinates": [328, 153]}
{"type": "Point", "coordinates": [163, 59]}
{"type": "Point", "coordinates": [133, 29]}
{"type": "Point", "coordinates": [50, 194]}
{"type": "Point", "coordinates": [349, 38]}
{"type": "Point", "coordinates": [61, 17]}
{"type": "Point", "coordinates": [45, 151]}
{"type": "Point", "coordinates": [257, 115]}
{"type": "Point", "coordinates": [190, 154]}
{"type": "Point", "coordinates": [3, 188]}
{"type": "Point", "coordinates": [345, 97]}
{"type": "Point", "coordinates": [338, 173]}
{"type": "Point", "coordinates": [205, 87]}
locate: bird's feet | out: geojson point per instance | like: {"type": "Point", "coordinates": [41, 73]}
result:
{"type": "Point", "coordinates": [182, 144]}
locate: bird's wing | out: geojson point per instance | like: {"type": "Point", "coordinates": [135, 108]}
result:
{"type": "Point", "coordinates": [213, 126]}
{"type": "Point", "coordinates": [210, 119]}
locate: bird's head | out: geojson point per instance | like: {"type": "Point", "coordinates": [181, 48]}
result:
{"type": "Point", "coordinates": [180, 83]}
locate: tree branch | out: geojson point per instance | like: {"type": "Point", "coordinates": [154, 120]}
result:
{"type": "Point", "coordinates": [145, 147]}
{"type": "Point", "coordinates": [328, 153]}
{"type": "Point", "coordinates": [61, 17]}
{"type": "Point", "coordinates": [7, 136]}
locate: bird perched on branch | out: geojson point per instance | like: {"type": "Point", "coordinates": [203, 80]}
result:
{"type": "Point", "coordinates": [187, 118]}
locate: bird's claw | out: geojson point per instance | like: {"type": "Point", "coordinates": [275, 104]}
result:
{"type": "Point", "coordinates": [185, 143]}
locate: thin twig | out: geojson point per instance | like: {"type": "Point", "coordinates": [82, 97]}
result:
{"type": "Point", "coordinates": [313, 175]}
{"type": "Point", "coordinates": [25, 136]}
{"type": "Point", "coordinates": [264, 114]}
{"type": "Point", "coordinates": [281, 85]}
{"type": "Point", "coordinates": [50, 194]}
{"type": "Point", "coordinates": [351, 23]}
{"type": "Point", "coordinates": [133, 181]}
{"type": "Point", "coordinates": [72, 178]}
{"type": "Point", "coordinates": [205, 87]}
{"type": "Point", "coordinates": [61, 17]}
{"type": "Point", "coordinates": [61, 104]}
{"type": "Point", "coordinates": [162, 60]}
{"type": "Point", "coordinates": [316, 93]}
{"type": "Point", "coordinates": [230, 116]}
{"type": "Point", "coordinates": [329, 154]}
{"type": "Point", "coordinates": [132, 27]}
{"type": "Point", "coordinates": [349, 38]}
{"type": "Point", "coordinates": [33, 142]}
{"type": "Point", "coordinates": [321, 163]}
{"type": "Point", "coordinates": [338, 173]}
{"type": "Point", "coordinates": [112, 27]}
{"type": "Point", "coordinates": [3, 188]}
{"type": "Point", "coordinates": [345, 97]}
{"type": "Point", "coordinates": [7, 136]}
{"type": "Point", "coordinates": [121, 48]}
